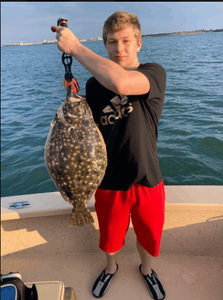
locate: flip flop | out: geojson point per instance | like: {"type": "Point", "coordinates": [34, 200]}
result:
{"type": "Point", "coordinates": [155, 286]}
{"type": "Point", "coordinates": [102, 283]}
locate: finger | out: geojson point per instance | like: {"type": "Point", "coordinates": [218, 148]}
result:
{"type": "Point", "coordinates": [56, 28]}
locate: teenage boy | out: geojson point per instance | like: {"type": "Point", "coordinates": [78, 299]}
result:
{"type": "Point", "coordinates": [126, 99]}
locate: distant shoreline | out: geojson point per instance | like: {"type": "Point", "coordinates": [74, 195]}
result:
{"type": "Point", "coordinates": [44, 42]}
{"type": "Point", "coordinates": [183, 32]}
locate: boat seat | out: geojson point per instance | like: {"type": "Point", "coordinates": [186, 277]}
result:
{"type": "Point", "coordinates": [52, 290]}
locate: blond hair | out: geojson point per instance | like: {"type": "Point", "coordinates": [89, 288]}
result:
{"type": "Point", "coordinates": [118, 21]}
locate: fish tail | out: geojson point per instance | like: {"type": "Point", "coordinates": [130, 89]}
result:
{"type": "Point", "coordinates": [80, 217]}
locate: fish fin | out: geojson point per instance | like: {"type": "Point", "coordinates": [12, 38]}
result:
{"type": "Point", "coordinates": [80, 217]}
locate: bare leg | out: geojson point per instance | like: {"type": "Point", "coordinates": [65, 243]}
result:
{"type": "Point", "coordinates": [146, 259]}
{"type": "Point", "coordinates": [111, 262]}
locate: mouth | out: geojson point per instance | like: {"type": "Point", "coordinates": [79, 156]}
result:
{"type": "Point", "coordinates": [119, 57]}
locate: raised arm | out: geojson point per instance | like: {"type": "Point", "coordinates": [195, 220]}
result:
{"type": "Point", "coordinates": [110, 74]}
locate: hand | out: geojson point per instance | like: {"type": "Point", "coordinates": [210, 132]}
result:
{"type": "Point", "coordinates": [66, 40]}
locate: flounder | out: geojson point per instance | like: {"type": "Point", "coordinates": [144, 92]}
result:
{"type": "Point", "coordinates": [75, 155]}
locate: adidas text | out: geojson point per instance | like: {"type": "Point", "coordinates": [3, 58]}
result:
{"type": "Point", "coordinates": [105, 120]}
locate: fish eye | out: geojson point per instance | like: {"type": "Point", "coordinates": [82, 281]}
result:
{"type": "Point", "coordinates": [74, 100]}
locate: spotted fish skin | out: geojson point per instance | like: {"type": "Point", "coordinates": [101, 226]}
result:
{"type": "Point", "coordinates": [75, 155]}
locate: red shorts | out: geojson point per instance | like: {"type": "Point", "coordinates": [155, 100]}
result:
{"type": "Point", "coordinates": [146, 207]}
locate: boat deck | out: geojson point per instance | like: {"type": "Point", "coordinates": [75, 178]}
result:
{"type": "Point", "coordinates": [190, 264]}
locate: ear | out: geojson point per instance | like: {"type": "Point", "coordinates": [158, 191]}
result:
{"type": "Point", "coordinates": [139, 44]}
{"type": "Point", "coordinates": [106, 47]}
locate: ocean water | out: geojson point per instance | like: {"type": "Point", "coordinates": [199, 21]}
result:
{"type": "Point", "coordinates": [190, 142]}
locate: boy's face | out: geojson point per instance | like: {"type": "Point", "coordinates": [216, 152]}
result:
{"type": "Point", "coordinates": [122, 47]}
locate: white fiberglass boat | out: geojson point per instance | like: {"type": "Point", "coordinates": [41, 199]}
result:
{"type": "Point", "coordinates": [37, 242]}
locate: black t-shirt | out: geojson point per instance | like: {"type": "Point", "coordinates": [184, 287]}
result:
{"type": "Point", "coordinates": [129, 125]}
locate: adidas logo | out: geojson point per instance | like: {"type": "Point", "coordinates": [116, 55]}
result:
{"type": "Point", "coordinates": [117, 109]}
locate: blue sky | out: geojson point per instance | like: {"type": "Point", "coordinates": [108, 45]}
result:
{"type": "Point", "coordinates": [29, 22]}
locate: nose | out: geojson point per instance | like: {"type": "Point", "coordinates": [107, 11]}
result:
{"type": "Point", "coordinates": [119, 46]}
